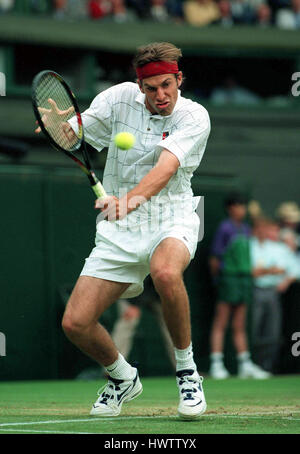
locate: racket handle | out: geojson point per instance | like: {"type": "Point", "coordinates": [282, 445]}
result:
{"type": "Point", "coordinates": [99, 190]}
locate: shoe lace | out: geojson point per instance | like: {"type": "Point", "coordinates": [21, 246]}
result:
{"type": "Point", "coordinates": [189, 386]}
{"type": "Point", "coordinates": [108, 393]}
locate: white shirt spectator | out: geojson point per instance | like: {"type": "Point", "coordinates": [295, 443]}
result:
{"type": "Point", "coordinates": [271, 253]}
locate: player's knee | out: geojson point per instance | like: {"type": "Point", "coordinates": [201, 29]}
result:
{"type": "Point", "coordinates": [166, 279]}
{"type": "Point", "coordinates": [71, 326]}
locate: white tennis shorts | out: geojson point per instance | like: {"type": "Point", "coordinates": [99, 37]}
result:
{"type": "Point", "coordinates": [124, 255]}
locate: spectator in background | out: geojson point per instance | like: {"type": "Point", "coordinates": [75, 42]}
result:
{"type": "Point", "coordinates": [40, 6]}
{"type": "Point", "coordinates": [288, 17]}
{"type": "Point", "coordinates": [273, 267]}
{"type": "Point", "coordinates": [158, 11]}
{"type": "Point", "coordinates": [290, 238]}
{"type": "Point", "coordinates": [288, 215]}
{"type": "Point", "coordinates": [6, 5]}
{"type": "Point", "coordinates": [232, 93]}
{"type": "Point", "coordinates": [77, 9]}
{"type": "Point", "coordinates": [225, 11]}
{"type": "Point", "coordinates": [60, 8]}
{"type": "Point", "coordinates": [175, 9]}
{"type": "Point", "coordinates": [201, 12]}
{"type": "Point", "coordinates": [230, 265]}
{"type": "Point", "coordinates": [99, 9]}
{"type": "Point", "coordinates": [245, 12]}
{"type": "Point", "coordinates": [235, 206]}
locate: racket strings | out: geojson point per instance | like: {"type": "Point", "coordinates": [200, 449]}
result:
{"type": "Point", "coordinates": [55, 109]}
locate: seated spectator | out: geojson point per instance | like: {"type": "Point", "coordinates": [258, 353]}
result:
{"type": "Point", "coordinates": [225, 11]}
{"type": "Point", "coordinates": [158, 11]}
{"type": "Point", "coordinates": [289, 17]}
{"type": "Point", "coordinates": [201, 12]}
{"type": "Point", "coordinates": [175, 9]}
{"type": "Point", "coordinates": [245, 12]}
{"type": "Point", "coordinates": [6, 5]}
{"type": "Point", "coordinates": [99, 9]}
{"type": "Point", "coordinates": [60, 8]}
{"type": "Point", "coordinates": [77, 9]}
{"type": "Point", "coordinates": [232, 93]}
{"type": "Point", "coordinates": [140, 8]}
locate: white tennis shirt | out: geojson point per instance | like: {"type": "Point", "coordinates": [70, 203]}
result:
{"type": "Point", "coordinates": [184, 133]}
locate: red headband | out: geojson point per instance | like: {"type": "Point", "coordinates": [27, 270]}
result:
{"type": "Point", "coordinates": [156, 68]}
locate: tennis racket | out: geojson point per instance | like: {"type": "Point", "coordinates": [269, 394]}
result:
{"type": "Point", "coordinates": [54, 104]}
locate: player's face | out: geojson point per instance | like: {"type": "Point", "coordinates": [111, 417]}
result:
{"type": "Point", "coordinates": [161, 92]}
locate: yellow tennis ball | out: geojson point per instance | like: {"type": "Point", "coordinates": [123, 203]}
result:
{"type": "Point", "coordinates": [124, 140]}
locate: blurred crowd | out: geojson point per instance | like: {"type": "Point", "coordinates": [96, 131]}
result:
{"type": "Point", "coordinates": [254, 263]}
{"type": "Point", "coordinates": [279, 13]}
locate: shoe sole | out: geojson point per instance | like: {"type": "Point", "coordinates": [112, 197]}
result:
{"type": "Point", "coordinates": [190, 417]}
{"type": "Point", "coordinates": [126, 399]}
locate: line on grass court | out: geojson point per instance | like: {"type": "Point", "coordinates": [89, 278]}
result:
{"type": "Point", "coordinates": [7, 427]}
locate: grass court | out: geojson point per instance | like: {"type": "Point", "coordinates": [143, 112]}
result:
{"type": "Point", "coordinates": [235, 406]}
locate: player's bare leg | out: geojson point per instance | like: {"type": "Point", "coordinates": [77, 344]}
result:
{"type": "Point", "coordinates": [90, 298]}
{"type": "Point", "coordinates": [168, 263]}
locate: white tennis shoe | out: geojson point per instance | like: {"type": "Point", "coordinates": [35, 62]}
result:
{"type": "Point", "coordinates": [192, 402]}
{"type": "Point", "coordinates": [218, 371]}
{"type": "Point", "coordinates": [114, 394]}
{"type": "Point", "coordinates": [247, 369]}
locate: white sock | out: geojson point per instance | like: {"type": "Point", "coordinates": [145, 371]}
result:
{"type": "Point", "coordinates": [216, 357]}
{"type": "Point", "coordinates": [121, 369]}
{"type": "Point", "coordinates": [244, 356]}
{"type": "Point", "coordinates": [184, 358]}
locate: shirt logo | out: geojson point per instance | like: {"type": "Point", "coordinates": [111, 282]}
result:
{"type": "Point", "coordinates": [165, 135]}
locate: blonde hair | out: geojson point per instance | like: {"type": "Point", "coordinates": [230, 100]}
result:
{"type": "Point", "coordinates": [156, 52]}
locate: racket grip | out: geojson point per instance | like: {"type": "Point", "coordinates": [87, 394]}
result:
{"type": "Point", "coordinates": [99, 190]}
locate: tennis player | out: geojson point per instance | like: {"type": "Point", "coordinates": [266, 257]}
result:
{"type": "Point", "coordinates": [150, 224]}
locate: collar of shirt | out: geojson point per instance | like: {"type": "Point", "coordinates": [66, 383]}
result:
{"type": "Point", "coordinates": [140, 98]}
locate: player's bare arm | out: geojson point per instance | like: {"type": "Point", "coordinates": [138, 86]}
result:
{"type": "Point", "coordinates": [152, 183]}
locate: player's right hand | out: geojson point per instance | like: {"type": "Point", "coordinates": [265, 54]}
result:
{"type": "Point", "coordinates": [54, 116]}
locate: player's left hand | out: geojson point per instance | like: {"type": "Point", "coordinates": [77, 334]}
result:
{"type": "Point", "coordinates": [111, 208]}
